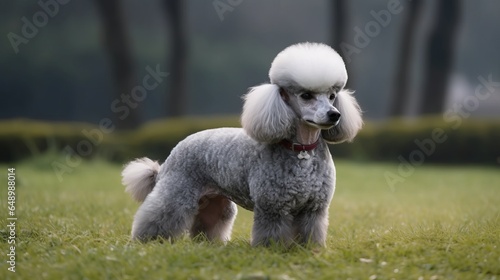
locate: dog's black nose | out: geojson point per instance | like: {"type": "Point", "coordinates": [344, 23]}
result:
{"type": "Point", "coordinates": [333, 116]}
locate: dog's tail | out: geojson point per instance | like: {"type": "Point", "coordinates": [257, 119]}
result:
{"type": "Point", "coordinates": [139, 177]}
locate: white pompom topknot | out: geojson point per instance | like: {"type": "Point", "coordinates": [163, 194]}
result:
{"type": "Point", "coordinates": [310, 65]}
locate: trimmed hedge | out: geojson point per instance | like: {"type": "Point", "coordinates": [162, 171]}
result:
{"type": "Point", "coordinates": [428, 139]}
{"type": "Point", "coordinates": [156, 139]}
{"type": "Point", "coordinates": [21, 138]}
{"type": "Point", "coordinates": [424, 140]}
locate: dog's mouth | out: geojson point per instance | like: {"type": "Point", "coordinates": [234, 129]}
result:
{"type": "Point", "coordinates": [322, 126]}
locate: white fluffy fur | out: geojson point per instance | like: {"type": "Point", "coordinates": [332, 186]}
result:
{"type": "Point", "coordinates": [266, 117]}
{"type": "Point", "coordinates": [310, 65]}
{"type": "Point", "coordinates": [139, 177]}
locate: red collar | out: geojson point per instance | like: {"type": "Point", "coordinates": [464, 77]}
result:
{"type": "Point", "coordinates": [298, 147]}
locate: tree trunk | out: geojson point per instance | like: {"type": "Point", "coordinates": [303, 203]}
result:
{"type": "Point", "coordinates": [439, 58]}
{"type": "Point", "coordinates": [177, 96]}
{"type": "Point", "coordinates": [117, 45]}
{"type": "Point", "coordinates": [401, 91]}
{"type": "Point", "coordinates": [338, 23]}
{"type": "Point", "coordinates": [338, 10]}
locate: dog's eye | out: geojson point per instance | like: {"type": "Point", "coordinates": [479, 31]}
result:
{"type": "Point", "coordinates": [306, 96]}
{"type": "Point", "coordinates": [332, 97]}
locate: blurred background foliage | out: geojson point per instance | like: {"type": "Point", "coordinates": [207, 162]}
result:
{"type": "Point", "coordinates": [475, 142]}
{"type": "Point", "coordinates": [423, 62]}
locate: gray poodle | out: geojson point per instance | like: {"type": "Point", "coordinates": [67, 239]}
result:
{"type": "Point", "coordinates": [278, 165]}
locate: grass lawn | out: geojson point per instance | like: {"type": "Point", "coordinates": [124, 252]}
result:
{"type": "Point", "coordinates": [441, 223]}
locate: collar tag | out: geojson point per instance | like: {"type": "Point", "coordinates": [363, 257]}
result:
{"type": "Point", "coordinates": [304, 155]}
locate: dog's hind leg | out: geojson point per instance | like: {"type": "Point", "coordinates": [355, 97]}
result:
{"type": "Point", "coordinates": [168, 211]}
{"type": "Point", "coordinates": [215, 218]}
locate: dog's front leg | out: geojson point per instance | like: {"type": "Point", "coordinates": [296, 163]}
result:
{"type": "Point", "coordinates": [271, 227]}
{"type": "Point", "coordinates": [311, 227]}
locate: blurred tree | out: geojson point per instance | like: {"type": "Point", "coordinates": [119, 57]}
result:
{"type": "Point", "coordinates": [338, 10]}
{"type": "Point", "coordinates": [177, 97]}
{"type": "Point", "coordinates": [401, 92]}
{"type": "Point", "coordinates": [439, 56]}
{"type": "Point", "coordinates": [339, 14]}
{"type": "Point", "coordinates": [117, 45]}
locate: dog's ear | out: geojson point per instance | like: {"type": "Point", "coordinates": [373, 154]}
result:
{"type": "Point", "coordinates": [266, 117]}
{"type": "Point", "coordinates": [350, 119]}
